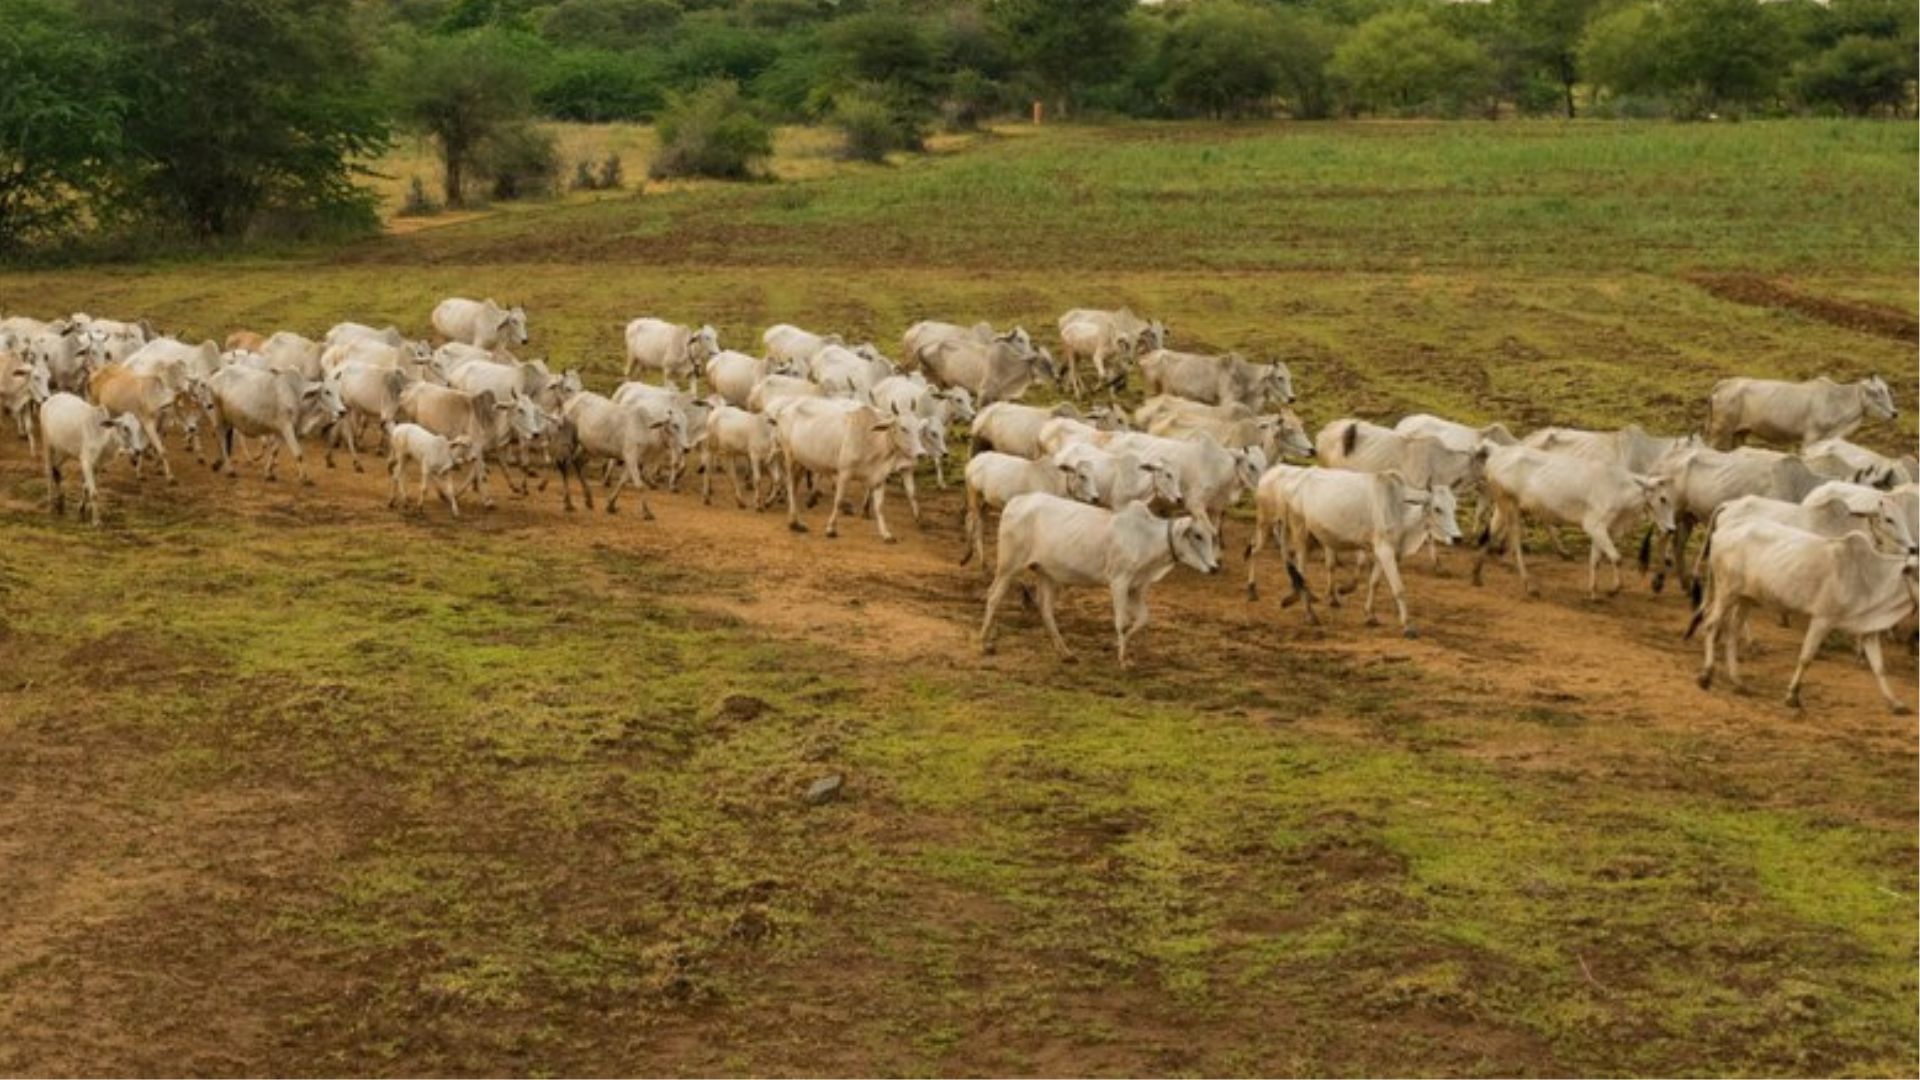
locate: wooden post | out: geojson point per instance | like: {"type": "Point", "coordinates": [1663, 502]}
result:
{"type": "Point", "coordinates": [1039, 111]}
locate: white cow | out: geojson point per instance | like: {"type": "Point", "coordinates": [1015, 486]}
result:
{"type": "Point", "coordinates": [1015, 429]}
{"type": "Point", "coordinates": [841, 372]}
{"type": "Point", "coordinates": [63, 354]}
{"type": "Point", "coordinates": [923, 337]}
{"type": "Point", "coordinates": [1423, 460]}
{"type": "Point", "coordinates": [1119, 479]}
{"type": "Point", "coordinates": [1103, 337]}
{"type": "Point", "coordinates": [367, 392]}
{"type": "Point", "coordinates": [242, 400]}
{"type": "Point", "coordinates": [770, 393]}
{"type": "Point", "coordinates": [939, 408]}
{"type": "Point", "coordinates": [1838, 459]}
{"type": "Point", "coordinates": [1211, 476]}
{"type": "Point", "coordinates": [733, 375]}
{"type": "Point", "coordinates": [1217, 380]}
{"type": "Point", "coordinates": [1801, 413]}
{"type": "Point", "coordinates": [1453, 434]}
{"type": "Point", "coordinates": [994, 479]}
{"type": "Point", "coordinates": [690, 421]}
{"type": "Point", "coordinates": [628, 434]}
{"type": "Point", "coordinates": [1380, 514]}
{"type": "Point", "coordinates": [991, 371]}
{"type": "Point", "coordinates": [480, 322]}
{"type": "Point", "coordinates": [1062, 543]}
{"type": "Point", "coordinates": [24, 387]}
{"type": "Point", "coordinates": [1233, 426]}
{"type": "Point", "coordinates": [1702, 479]}
{"type": "Point", "coordinates": [343, 333]}
{"type": "Point", "coordinates": [1600, 497]}
{"type": "Point", "coordinates": [489, 423]}
{"type": "Point", "coordinates": [288, 351]}
{"type": "Point", "coordinates": [1630, 447]}
{"type": "Point", "coordinates": [436, 455]}
{"type": "Point", "coordinates": [735, 435]}
{"type": "Point", "coordinates": [144, 395]}
{"type": "Point", "coordinates": [790, 344]}
{"type": "Point", "coordinates": [1838, 583]}
{"type": "Point", "coordinates": [673, 350]}
{"type": "Point", "coordinates": [1895, 514]}
{"type": "Point", "coordinates": [73, 429]}
{"type": "Point", "coordinates": [853, 443]}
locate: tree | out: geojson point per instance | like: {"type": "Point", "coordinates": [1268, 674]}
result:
{"type": "Point", "coordinates": [1405, 60]}
{"type": "Point", "coordinates": [711, 132]}
{"type": "Point", "coordinates": [1549, 33]}
{"type": "Point", "coordinates": [460, 90]}
{"type": "Point", "coordinates": [1303, 47]}
{"type": "Point", "coordinates": [1858, 75]}
{"type": "Point", "coordinates": [1623, 50]}
{"type": "Point", "coordinates": [235, 105]}
{"type": "Point", "coordinates": [1065, 44]}
{"type": "Point", "coordinates": [59, 117]}
{"type": "Point", "coordinates": [1723, 52]}
{"type": "Point", "coordinates": [1222, 58]}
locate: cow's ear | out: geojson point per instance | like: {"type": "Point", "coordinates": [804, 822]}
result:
{"type": "Point", "coordinates": [312, 389]}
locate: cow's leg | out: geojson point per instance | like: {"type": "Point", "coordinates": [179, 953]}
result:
{"type": "Point", "coordinates": [1516, 538]}
{"type": "Point", "coordinates": [913, 501]}
{"type": "Point", "coordinates": [1046, 589]}
{"type": "Point", "coordinates": [56, 498]}
{"type": "Point", "coordinates": [839, 493]}
{"type": "Point", "coordinates": [640, 485]}
{"type": "Point", "coordinates": [793, 504]}
{"type": "Point", "coordinates": [879, 495]}
{"type": "Point", "coordinates": [1387, 563]}
{"type": "Point", "coordinates": [1333, 587]}
{"type": "Point", "coordinates": [1260, 530]}
{"type": "Point", "coordinates": [1735, 627]}
{"type": "Point", "coordinates": [1810, 647]}
{"type": "Point", "coordinates": [753, 471]}
{"type": "Point", "coordinates": [159, 448]}
{"type": "Point", "coordinates": [445, 480]}
{"type": "Point", "coordinates": [1122, 614]}
{"type": "Point", "coordinates": [395, 492]}
{"type": "Point", "coordinates": [940, 471]}
{"type": "Point", "coordinates": [299, 455]}
{"type": "Point", "coordinates": [1875, 660]}
{"type": "Point", "coordinates": [1002, 581]}
{"type": "Point", "coordinates": [90, 489]}
{"type": "Point", "coordinates": [607, 474]}
{"type": "Point", "coordinates": [1137, 611]}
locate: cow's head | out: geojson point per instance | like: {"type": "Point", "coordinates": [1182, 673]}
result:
{"type": "Point", "coordinates": [1018, 338]}
{"type": "Point", "coordinates": [459, 450]}
{"type": "Point", "coordinates": [1077, 480]}
{"type": "Point", "coordinates": [1165, 483]}
{"type": "Point", "coordinates": [959, 403]}
{"type": "Point", "coordinates": [1442, 513]}
{"type": "Point", "coordinates": [320, 407]}
{"type": "Point", "coordinates": [1041, 362]}
{"type": "Point", "coordinates": [1194, 543]}
{"type": "Point", "coordinates": [1877, 397]}
{"type": "Point", "coordinates": [1277, 380]}
{"type": "Point", "coordinates": [125, 430]}
{"type": "Point", "coordinates": [513, 326]}
{"type": "Point", "coordinates": [1656, 498]}
{"type": "Point", "coordinates": [1289, 433]}
{"type": "Point", "coordinates": [904, 433]}
{"type": "Point", "coordinates": [702, 344]}
{"type": "Point", "coordinates": [1248, 464]}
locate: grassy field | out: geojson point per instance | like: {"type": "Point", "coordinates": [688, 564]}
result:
{"type": "Point", "coordinates": [289, 783]}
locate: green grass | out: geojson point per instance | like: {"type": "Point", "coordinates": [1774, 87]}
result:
{"type": "Point", "coordinates": [366, 795]}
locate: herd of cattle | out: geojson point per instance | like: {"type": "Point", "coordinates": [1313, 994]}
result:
{"type": "Point", "coordinates": [1102, 497]}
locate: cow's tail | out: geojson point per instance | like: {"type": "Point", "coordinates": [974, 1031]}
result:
{"type": "Point", "coordinates": [1701, 587]}
{"type": "Point", "coordinates": [1646, 549]}
{"type": "Point", "coordinates": [979, 445]}
{"type": "Point", "coordinates": [1350, 437]}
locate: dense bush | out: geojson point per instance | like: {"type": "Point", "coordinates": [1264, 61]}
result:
{"type": "Point", "coordinates": [1858, 75]}
{"type": "Point", "coordinates": [1406, 61]}
{"type": "Point", "coordinates": [595, 86]}
{"type": "Point", "coordinates": [712, 132]}
{"type": "Point", "coordinates": [520, 161]}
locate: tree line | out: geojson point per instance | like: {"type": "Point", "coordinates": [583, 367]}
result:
{"type": "Point", "coordinates": [218, 118]}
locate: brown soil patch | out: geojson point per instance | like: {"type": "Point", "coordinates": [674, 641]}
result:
{"type": "Point", "coordinates": [1759, 291]}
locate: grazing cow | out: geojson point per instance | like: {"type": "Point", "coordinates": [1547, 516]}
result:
{"type": "Point", "coordinates": [74, 429]}
{"type": "Point", "coordinates": [1211, 476]}
{"type": "Point", "coordinates": [1455, 435]}
{"type": "Point", "coordinates": [923, 337]}
{"type": "Point", "coordinates": [735, 435]}
{"type": "Point", "coordinates": [854, 443]}
{"type": "Point", "coordinates": [1702, 479]}
{"type": "Point", "coordinates": [675, 351]}
{"type": "Point", "coordinates": [1797, 413]}
{"type": "Point", "coordinates": [1015, 429]}
{"type": "Point", "coordinates": [1600, 497]}
{"type": "Point", "coordinates": [994, 479]}
{"type": "Point", "coordinates": [990, 371]}
{"type": "Point", "coordinates": [437, 457]}
{"type": "Point", "coordinates": [1233, 426]}
{"type": "Point", "coordinates": [24, 387]}
{"type": "Point", "coordinates": [261, 404]}
{"type": "Point", "coordinates": [1839, 583]}
{"type": "Point", "coordinates": [1217, 380]}
{"type": "Point", "coordinates": [628, 434]}
{"type": "Point", "coordinates": [1379, 513]}
{"type": "Point", "coordinates": [1838, 459]}
{"type": "Point", "coordinates": [1062, 542]}
{"type": "Point", "coordinates": [770, 393]}
{"type": "Point", "coordinates": [145, 396]}
{"type": "Point", "coordinates": [1103, 336]}
{"type": "Point", "coordinates": [790, 344]}
{"type": "Point", "coordinates": [480, 322]}
{"type": "Point", "coordinates": [733, 375]}
{"type": "Point", "coordinates": [488, 423]}
{"type": "Point", "coordinates": [1119, 479]}
{"type": "Point", "coordinates": [1630, 447]}
{"type": "Point", "coordinates": [367, 392]}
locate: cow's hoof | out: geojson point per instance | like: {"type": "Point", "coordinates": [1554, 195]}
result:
{"type": "Point", "coordinates": [890, 539]}
{"type": "Point", "coordinates": [611, 509]}
{"type": "Point", "coordinates": [646, 514]}
{"type": "Point", "coordinates": [796, 526]}
{"type": "Point", "coordinates": [1410, 634]}
{"type": "Point", "coordinates": [1253, 592]}
{"type": "Point", "coordinates": [1898, 709]}
{"type": "Point", "coordinates": [1372, 620]}
{"type": "Point", "coordinates": [1793, 701]}
{"type": "Point", "coordinates": [1705, 679]}
{"type": "Point", "coordinates": [356, 467]}
{"type": "Point", "coordinates": [306, 481]}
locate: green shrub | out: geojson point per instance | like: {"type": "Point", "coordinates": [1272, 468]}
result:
{"type": "Point", "coordinates": [521, 161]}
{"type": "Point", "coordinates": [418, 203]}
{"type": "Point", "coordinates": [874, 127]}
{"type": "Point", "coordinates": [712, 132]}
{"type": "Point", "coordinates": [592, 86]}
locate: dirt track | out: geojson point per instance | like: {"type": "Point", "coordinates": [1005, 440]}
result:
{"type": "Point", "coordinates": [1620, 658]}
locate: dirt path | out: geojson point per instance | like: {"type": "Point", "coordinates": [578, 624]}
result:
{"type": "Point", "coordinates": [910, 603]}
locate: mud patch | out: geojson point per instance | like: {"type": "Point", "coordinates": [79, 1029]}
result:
{"type": "Point", "coordinates": [1757, 291]}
